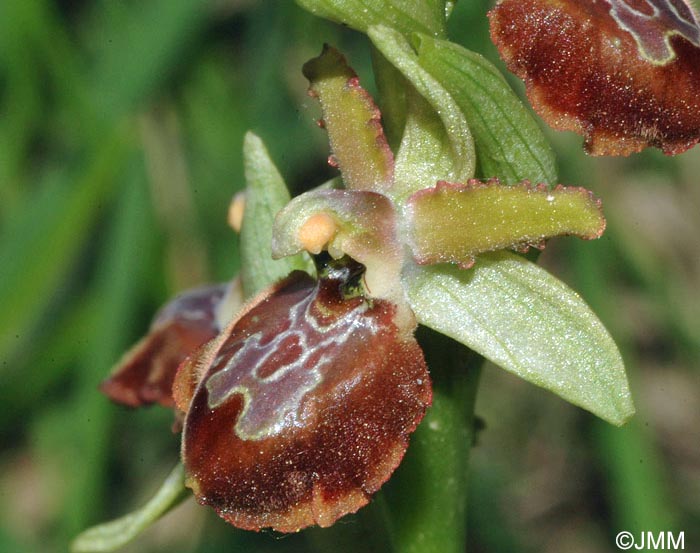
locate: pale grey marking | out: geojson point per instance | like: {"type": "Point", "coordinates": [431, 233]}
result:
{"type": "Point", "coordinates": [223, 384]}
{"type": "Point", "coordinates": [688, 28]}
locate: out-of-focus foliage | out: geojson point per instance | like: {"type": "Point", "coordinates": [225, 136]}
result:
{"type": "Point", "coordinates": [121, 130]}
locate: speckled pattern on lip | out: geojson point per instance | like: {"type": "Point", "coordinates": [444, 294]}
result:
{"type": "Point", "coordinates": [321, 456]}
{"type": "Point", "coordinates": [623, 78]}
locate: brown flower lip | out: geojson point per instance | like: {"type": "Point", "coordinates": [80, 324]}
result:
{"type": "Point", "coordinates": [305, 408]}
{"type": "Point", "coordinates": [624, 74]}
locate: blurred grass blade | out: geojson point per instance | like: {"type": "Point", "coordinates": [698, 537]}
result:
{"type": "Point", "coordinates": [640, 497]}
{"type": "Point", "coordinates": [40, 244]}
{"type": "Point", "coordinates": [85, 433]}
{"type": "Point", "coordinates": [139, 54]}
{"type": "Point", "coordinates": [640, 493]}
{"type": "Point", "coordinates": [436, 143]}
{"type": "Point", "coordinates": [509, 143]}
{"type": "Point", "coordinates": [59, 351]}
{"type": "Point", "coordinates": [117, 533]}
{"type": "Point", "coordinates": [266, 194]}
{"type": "Point", "coordinates": [425, 16]}
{"type": "Point", "coordinates": [34, 30]}
{"type": "Point", "coordinates": [523, 319]}
{"type": "Point", "coordinates": [171, 192]}
{"type": "Point", "coordinates": [20, 104]}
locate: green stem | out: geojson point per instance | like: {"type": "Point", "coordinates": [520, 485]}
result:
{"type": "Point", "coordinates": [427, 496]}
{"type": "Point", "coordinates": [113, 535]}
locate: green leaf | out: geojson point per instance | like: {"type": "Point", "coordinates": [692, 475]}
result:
{"type": "Point", "coordinates": [117, 533]}
{"type": "Point", "coordinates": [456, 222]}
{"type": "Point", "coordinates": [266, 194]}
{"type": "Point", "coordinates": [436, 143]}
{"type": "Point", "coordinates": [509, 143]}
{"type": "Point", "coordinates": [523, 319]}
{"type": "Point", "coordinates": [353, 123]}
{"type": "Point", "coordinates": [425, 16]}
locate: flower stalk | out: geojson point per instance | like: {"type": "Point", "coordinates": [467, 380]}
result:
{"type": "Point", "coordinates": [427, 496]}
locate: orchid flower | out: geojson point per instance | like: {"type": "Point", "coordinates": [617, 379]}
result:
{"type": "Point", "coordinates": [298, 385]}
{"type": "Point", "coordinates": [297, 408]}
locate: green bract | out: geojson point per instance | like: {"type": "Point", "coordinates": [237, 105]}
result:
{"type": "Point", "coordinates": [509, 143]}
{"type": "Point", "coordinates": [528, 322]}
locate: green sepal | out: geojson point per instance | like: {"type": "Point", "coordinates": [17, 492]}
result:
{"type": "Point", "coordinates": [510, 145]}
{"type": "Point", "coordinates": [437, 143]}
{"type": "Point", "coordinates": [112, 535]}
{"type": "Point", "coordinates": [353, 122]}
{"type": "Point", "coordinates": [266, 193]}
{"type": "Point", "coordinates": [456, 222]}
{"type": "Point", "coordinates": [424, 16]}
{"type": "Point", "coordinates": [525, 320]}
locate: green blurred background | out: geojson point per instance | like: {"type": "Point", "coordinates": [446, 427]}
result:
{"type": "Point", "coordinates": [121, 125]}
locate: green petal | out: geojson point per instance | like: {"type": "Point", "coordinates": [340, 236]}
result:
{"type": "Point", "coordinates": [509, 143]}
{"type": "Point", "coordinates": [110, 536]}
{"type": "Point", "coordinates": [266, 194]}
{"type": "Point", "coordinates": [425, 16]}
{"type": "Point", "coordinates": [353, 123]}
{"type": "Point", "coordinates": [436, 143]}
{"type": "Point", "coordinates": [523, 319]}
{"type": "Point", "coordinates": [456, 222]}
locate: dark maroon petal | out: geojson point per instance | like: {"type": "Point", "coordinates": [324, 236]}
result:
{"type": "Point", "coordinates": [623, 73]}
{"type": "Point", "coordinates": [306, 407]}
{"type": "Point", "coordinates": [146, 372]}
